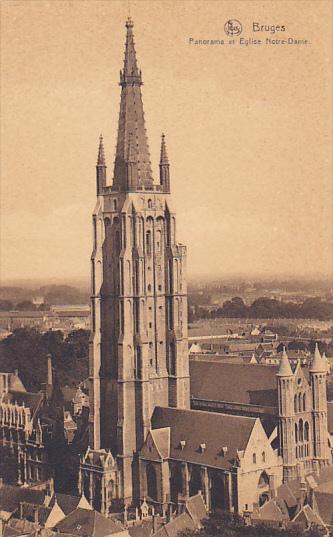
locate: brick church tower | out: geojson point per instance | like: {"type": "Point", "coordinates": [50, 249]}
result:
{"type": "Point", "coordinates": [138, 348]}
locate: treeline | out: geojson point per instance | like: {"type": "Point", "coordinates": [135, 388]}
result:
{"type": "Point", "coordinates": [25, 305]}
{"type": "Point", "coordinates": [20, 298]}
{"type": "Point", "coordinates": [26, 350]}
{"type": "Point", "coordinates": [269, 308]}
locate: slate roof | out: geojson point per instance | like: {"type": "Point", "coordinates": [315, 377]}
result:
{"type": "Point", "coordinates": [307, 516]}
{"type": "Point", "coordinates": [176, 526]}
{"type": "Point", "coordinates": [324, 502]}
{"type": "Point", "coordinates": [87, 523]}
{"type": "Point", "coordinates": [191, 519]}
{"type": "Point", "coordinates": [11, 496]}
{"type": "Point", "coordinates": [211, 429]}
{"type": "Point", "coordinates": [270, 511]}
{"type": "Point", "coordinates": [66, 502]}
{"type": "Point", "coordinates": [241, 383]}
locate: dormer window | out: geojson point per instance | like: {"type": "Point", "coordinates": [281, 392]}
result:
{"type": "Point", "coordinates": [203, 447]}
{"type": "Point", "coordinates": [224, 451]}
{"type": "Point", "coordinates": [182, 444]}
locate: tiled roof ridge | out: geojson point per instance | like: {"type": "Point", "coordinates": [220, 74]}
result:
{"type": "Point", "coordinates": [194, 411]}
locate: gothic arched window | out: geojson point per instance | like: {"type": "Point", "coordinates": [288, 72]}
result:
{"type": "Point", "coordinates": [263, 456]}
{"type": "Point", "coordinates": [306, 431]}
{"type": "Point", "coordinates": [295, 404]}
{"type": "Point", "coordinates": [296, 433]}
{"type": "Point", "coordinates": [304, 402]}
{"type": "Point", "coordinates": [150, 204]}
{"type": "Point", "coordinates": [300, 428]}
{"type": "Point", "coordinates": [254, 458]}
{"type": "Point", "coordinates": [300, 406]}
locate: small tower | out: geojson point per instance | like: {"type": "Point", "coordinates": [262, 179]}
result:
{"type": "Point", "coordinates": [100, 168]}
{"type": "Point", "coordinates": [286, 417]}
{"type": "Point", "coordinates": [164, 167]}
{"type": "Point", "coordinates": [318, 373]}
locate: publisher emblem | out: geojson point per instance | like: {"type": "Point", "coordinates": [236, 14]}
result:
{"type": "Point", "coordinates": [233, 27]}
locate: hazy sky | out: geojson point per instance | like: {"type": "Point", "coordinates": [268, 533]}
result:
{"type": "Point", "coordinates": [248, 131]}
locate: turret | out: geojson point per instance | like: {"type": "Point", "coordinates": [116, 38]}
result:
{"type": "Point", "coordinates": [100, 168]}
{"type": "Point", "coordinates": [285, 380]}
{"type": "Point", "coordinates": [164, 167]}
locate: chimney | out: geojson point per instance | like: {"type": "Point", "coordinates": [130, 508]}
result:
{"type": "Point", "coordinates": [49, 370]}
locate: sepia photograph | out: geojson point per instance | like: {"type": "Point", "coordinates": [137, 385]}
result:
{"type": "Point", "coordinates": [166, 268]}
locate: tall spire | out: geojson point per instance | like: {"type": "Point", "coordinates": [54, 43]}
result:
{"type": "Point", "coordinates": [131, 122]}
{"type": "Point", "coordinates": [164, 167]}
{"type": "Point", "coordinates": [100, 167]}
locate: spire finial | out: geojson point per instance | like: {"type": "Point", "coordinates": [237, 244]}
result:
{"type": "Point", "coordinates": [164, 155]}
{"type": "Point", "coordinates": [101, 155]}
{"type": "Point", "coordinates": [129, 23]}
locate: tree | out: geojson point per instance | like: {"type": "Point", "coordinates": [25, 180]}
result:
{"type": "Point", "coordinates": [26, 350]}
{"type": "Point", "coordinates": [6, 305]}
{"type": "Point", "coordinates": [26, 305]}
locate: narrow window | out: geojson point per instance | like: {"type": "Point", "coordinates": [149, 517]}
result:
{"type": "Point", "coordinates": [148, 243]}
{"type": "Point", "coordinates": [254, 458]}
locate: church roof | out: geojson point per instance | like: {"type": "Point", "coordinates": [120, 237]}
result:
{"type": "Point", "coordinates": [241, 383]}
{"type": "Point", "coordinates": [198, 436]}
{"type": "Point", "coordinates": [83, 522]}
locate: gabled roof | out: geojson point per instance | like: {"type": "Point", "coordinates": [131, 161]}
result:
{"type": "Point", "coordinates": [88, 523]}
{"type": "Point", "coordinates": [270, 511]}
{"type": "Point", "coordinates": [307, 516]}
{"type": "Point", "coordinates": [66, 502]}
{"type": "Point", "coordinates": [241, 383]}
{"type": "Point", "coordinates": [198, 436]}
{"type": "Point", "coordinates": [162, 441]}
{"type": "Point", "coordinates": [31, 400]}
